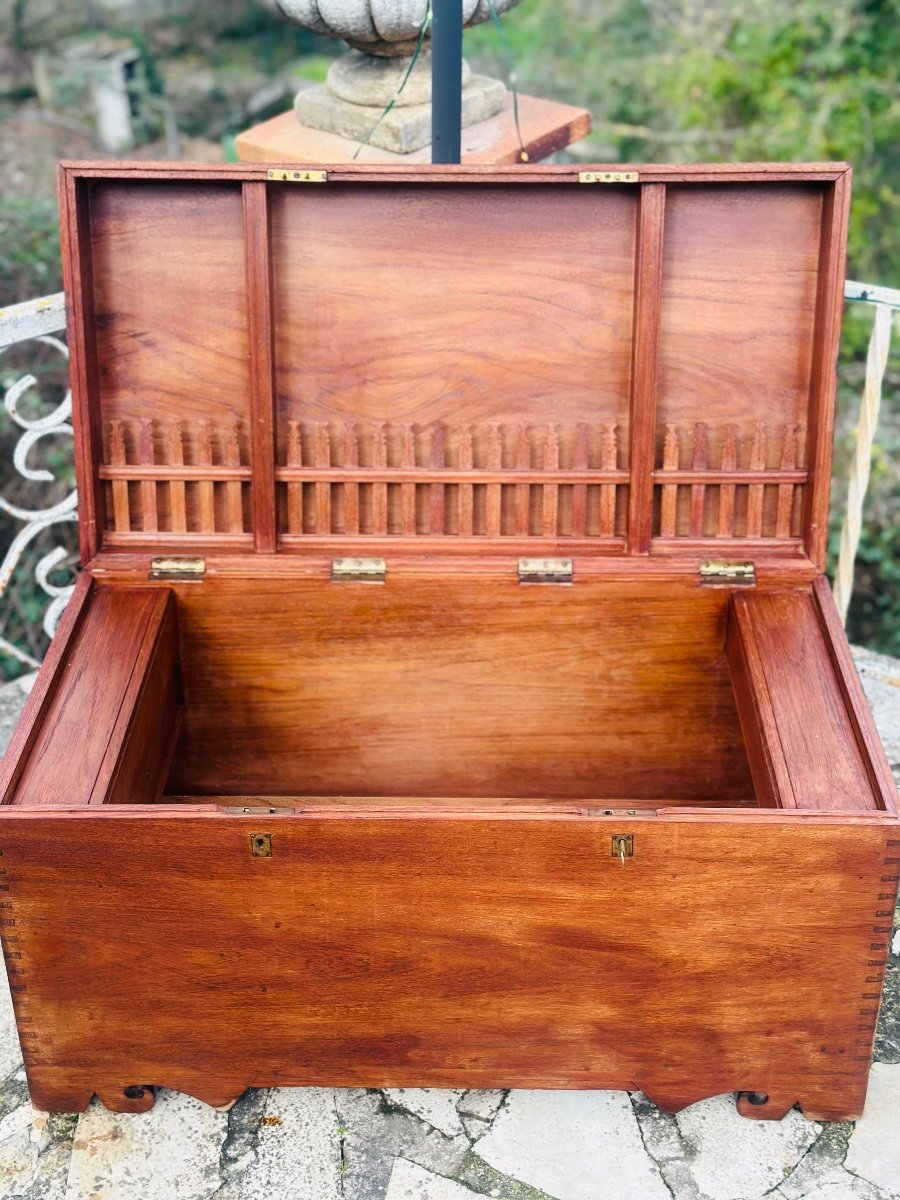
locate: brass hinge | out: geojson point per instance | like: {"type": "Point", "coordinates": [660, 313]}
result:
{"type": "Point", "coordinates": [545, 570]}
{"type": "Point", "coordinates": [240, 810]}
{"type": "Point", "coordinates": [607, 177]}
{"type": "Point", "coordinates": [288, 176]}
{"type": "Point", "coordinates": [177, 568]}
{"type": "Point", "coordinates": [728, 574]}
{"type": "Point", "coordinates": [358, 570]}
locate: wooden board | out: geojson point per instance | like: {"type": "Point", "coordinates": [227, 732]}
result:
{"type": "Point", "coordinates": [451, 368]}
{"type": "Point", "coordinates": [797, 726]}
{"type": "Point", "coordinates": [546, 126]}
{"type": "Point", "coordinates": [446, 686]}
{"type": "Point", "coordinates": [457, 358]}
{"type": "Point", "coordinates": [420, 950]}
{"type": "Point", "coordinates": [109, 728]}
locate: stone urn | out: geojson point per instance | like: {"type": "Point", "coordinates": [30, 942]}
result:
{"type": "Point", "coordinates": [372, 76]}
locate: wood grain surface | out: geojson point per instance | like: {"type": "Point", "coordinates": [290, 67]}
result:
{"type": "Point", "coordinates": [448, 305]}
{"type": "Point", "coordinates": [109, 728]}
{"type": "Point", "coordinates": [449, 368]}
{"type": "Point", "coordinates": [419, 950]}
{"type": "Point", "coordinates": [802, 746]}
{"type": "Point", "coordinates": [452, 687]}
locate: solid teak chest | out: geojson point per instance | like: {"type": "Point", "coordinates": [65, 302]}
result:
{"type": "Point", "coordinates": [452, 695]}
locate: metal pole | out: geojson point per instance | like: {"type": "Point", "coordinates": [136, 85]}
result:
{"type": "Point", "coordinates": [446, 80]}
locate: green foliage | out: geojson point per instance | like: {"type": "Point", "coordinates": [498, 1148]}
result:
{"type": "Point", "coordinates": [29, 248]}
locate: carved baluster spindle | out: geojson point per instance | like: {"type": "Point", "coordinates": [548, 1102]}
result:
{"type": "Point", "coordinates": [726, 490]}
{"type": "Point", "coordinates": [379, 490]}
{"type": "Point", "coordinates": [755, 490]}
{"type": "Point", "coordinates": [294, 487]}
{"type": "Point", "coordinates": [494, 490]}
{"type": "Point", "coordinates": [523, 490]}
{"type": "Point", "coordinates": [408, 489]}
{"type": "Point", "coordinates": [438, 460]}
{"type": "Point", "coordinates": [579, 490]}
{"type": "Point", "coordinates": [671, 462]}
{"type": "Point", "coordinates": [117, 458]}
{"type": "Point", "coordinates": [785, 503]}
{"type": "Point", "coordinates": [466, 490]}
{"type": "Point", "coordinates": [551, 489]}
{"type": "Point", "coordinates": [323, 486]}
{"type": "Point", "coordinates": [351, 489]}
{"type": "Point", "coordinates": [147, 458]}
{"type": "Point", "coordinates": [177, 489]}
{"type": "Point", "coordinates": [205, 488]}
{"type": "Point", "coordinates": [233, 498]}
{"type": "Point", "coordinates": [609, 454]}
{"type": "Point", "coordinates": [699, 462]}
{"type": "Point", "coordinates": [797, 501]}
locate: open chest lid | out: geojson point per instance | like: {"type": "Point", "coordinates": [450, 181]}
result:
{"type": "Point", "coordinates": [537, 360]}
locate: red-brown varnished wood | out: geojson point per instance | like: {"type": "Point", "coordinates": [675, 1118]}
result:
{"type": "Point", "coordinates": [499, 281]}
{"type": "Point", "coordinates": [450, 368]}
{"type": "Point", "coordinates": [168, 298]}
{"type": "Point", "coordinates": [737, 326]}
{"type": "Point", "coordinates": [458, 687]}
{"type": "Point", "coordinates": [146, 729]}
{"type": "Point", "coordinates": [804, 750]}
{"type": "Point", "coordinates": [76, 222]}
{"type": "Point", "coordinates": [645, 364]}
{"type": "Point", "coordinates": [518, 952]}
{"type": "Point", "coordinates": [823, 366]}
{"type": "Point", "coordinates": [583, 294]}
{"type": "Point", "coordinates": [29, 728]}
{"type": "Point", "coordinates": [538, 173]}
{"type": "Point", "coordinates": [107, 731]}
{"type": "Point", "coordinates": [262, 363]}
{"type": "Point", "coordinates": [858, 711]}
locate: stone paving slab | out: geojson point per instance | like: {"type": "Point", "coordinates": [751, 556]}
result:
{"type": "Point", "coordinates": [423, 1144]}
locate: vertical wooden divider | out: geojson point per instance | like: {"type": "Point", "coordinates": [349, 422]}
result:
{"type": "Point", "coordinates": [262, 364]}
{"type": "Point", "coordinates": [823, 377]}
{"type": "Point", "coordinates": [74, 205]}
{"type": "Point", "coordinates": [645, 364]}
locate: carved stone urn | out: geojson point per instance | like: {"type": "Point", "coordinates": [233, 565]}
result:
{"type": "Point", "coordinates": [363, 83]}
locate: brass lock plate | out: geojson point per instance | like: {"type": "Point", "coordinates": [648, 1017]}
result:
{"type": "Point", "coordinates": [622, 846]}
{"type": "Point", "coordinates": [261, 845]}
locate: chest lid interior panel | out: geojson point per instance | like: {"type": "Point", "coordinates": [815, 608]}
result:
{"type": "Point", "coordinates": [454, 360]}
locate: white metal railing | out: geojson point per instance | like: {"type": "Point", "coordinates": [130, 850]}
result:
{"type": "Point", "coordinates": [41, 320]}
{"type": "Point", "coordinates": [886, 302]}
{"type": "Point", "coordinates": [36, 320]}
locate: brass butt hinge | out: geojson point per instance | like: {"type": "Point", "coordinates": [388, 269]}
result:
{"type": "Point", "coordinates": [358, 570]}
{"type": "Point", "coordinates": [241, 810]}
{"type": "Point", "coordinates": [607, 177]}
{"type": "Point", "coordinates": [545, 570]}
{"type": "Point", "coordinates": [178, 568]}
{"type": "Point", "coordinates": [728, 574]}
{"type": "Point", "coordinates": [299, 176]}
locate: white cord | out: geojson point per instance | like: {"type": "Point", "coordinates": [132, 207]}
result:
{"type": "Point", "coordinates": [876, 364]}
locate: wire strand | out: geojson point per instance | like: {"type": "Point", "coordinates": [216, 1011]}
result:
{"type": "Point", "coordinates": [510, 75]}
{"type": "Point", "coordinates": [403, 82]}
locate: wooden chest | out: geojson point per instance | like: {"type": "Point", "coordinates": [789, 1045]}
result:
{"type": "Point", "coordinates": [452, 695]}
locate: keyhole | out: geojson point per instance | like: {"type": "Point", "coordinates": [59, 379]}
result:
{"type": "Point", "coordinates": [261, 845]}
{"type": "Point", "coordinates": [622, 846]}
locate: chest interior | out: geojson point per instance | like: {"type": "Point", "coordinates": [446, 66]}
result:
{"type": "Point", "coordinates": [445, 377]}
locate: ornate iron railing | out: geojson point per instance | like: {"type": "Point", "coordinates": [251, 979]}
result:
{"type": "Point", "coordinates": [43, 319]}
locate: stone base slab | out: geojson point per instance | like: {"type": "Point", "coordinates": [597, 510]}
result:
{"type": "Point", "coordinates": [403, 130]}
